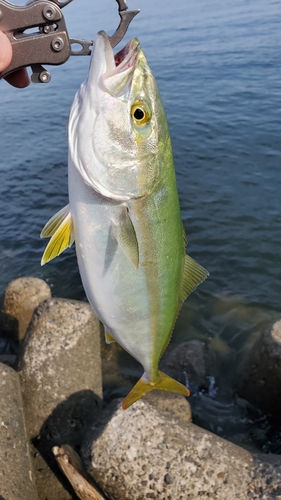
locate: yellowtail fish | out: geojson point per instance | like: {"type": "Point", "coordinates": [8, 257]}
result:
{"type": "Point", "coordinates": [123, 211]}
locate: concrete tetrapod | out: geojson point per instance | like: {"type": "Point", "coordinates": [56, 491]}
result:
{"type": "Point", "coordinates": [20, 299]}
{"type": "Point", "coordinates": [60, 372]}
{"type": "Point", "coordinates": [143, 453]}
{"type": "Point", "coordinates": [17, 480]}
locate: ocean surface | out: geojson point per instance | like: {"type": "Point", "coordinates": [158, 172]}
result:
{"type": "Point", "coordinates": [218, 67]}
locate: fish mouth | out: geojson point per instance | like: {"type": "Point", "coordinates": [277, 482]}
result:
{"type": "Point", "coordinates": [126, 57]}
{"type": "Point", "coordinates": [123, 60]}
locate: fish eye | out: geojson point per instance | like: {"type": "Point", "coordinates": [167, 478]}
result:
{"type": "Point", "coordinates": [140, 113]}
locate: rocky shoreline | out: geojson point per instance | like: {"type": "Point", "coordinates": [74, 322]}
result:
{"type": "Point", "coordinates": [60, 441]}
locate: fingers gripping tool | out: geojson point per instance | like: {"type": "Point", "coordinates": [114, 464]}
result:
{"type": "Point", "coordinates": [50, 44]}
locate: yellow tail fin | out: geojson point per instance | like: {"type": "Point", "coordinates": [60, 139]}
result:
{"type": "Point", "coordinates": [143, 386]}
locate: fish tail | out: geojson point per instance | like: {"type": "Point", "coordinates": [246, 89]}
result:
{"type": "Point", "coordinates": [143, 386]}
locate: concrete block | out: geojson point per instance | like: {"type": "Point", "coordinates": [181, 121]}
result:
{"type": "Point", "coordinates": [60, 372]}
{"type": "Point", "coordinates": [17, 480]}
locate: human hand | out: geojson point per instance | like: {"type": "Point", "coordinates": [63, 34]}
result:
{"type": "Point", "coordinates": [18, 78]}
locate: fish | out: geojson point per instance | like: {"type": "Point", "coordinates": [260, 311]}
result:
{"type": "Point", "coordinates": [124, 212]}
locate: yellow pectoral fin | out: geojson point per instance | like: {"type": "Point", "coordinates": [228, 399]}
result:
{"type": "Point", "coordinates": [193, 275]}
{"type": "Point", "coordinates": [143, 386]}
{"type": "Point", "coordinates": [61, 229]}
{"type": "Point", "coordinates": [53, 224]}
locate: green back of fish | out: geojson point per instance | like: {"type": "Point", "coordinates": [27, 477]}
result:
{"type": "Point", "coordinates": [162, 250]}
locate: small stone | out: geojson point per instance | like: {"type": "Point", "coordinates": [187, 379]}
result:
{"type": "Point", "coordinates": [168, 479]}
{"type": "Point", "coordinates": [20, 299]}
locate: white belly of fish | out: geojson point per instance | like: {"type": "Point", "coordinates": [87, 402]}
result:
{"type": "Point", "coordinates": [116, 289]}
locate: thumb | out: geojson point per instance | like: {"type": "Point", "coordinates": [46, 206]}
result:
{"type": "Point", "coordinates": [5, 51]}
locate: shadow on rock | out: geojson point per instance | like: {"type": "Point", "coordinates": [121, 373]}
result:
{"type": "Point", "coordinates": [67, 424]}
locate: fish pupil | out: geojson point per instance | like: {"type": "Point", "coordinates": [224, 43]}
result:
{"type": "Point", "coordinates": [138, 114]}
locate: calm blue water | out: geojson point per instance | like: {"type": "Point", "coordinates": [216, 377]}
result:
{"type": "Point", "coordinates": [218, 66]}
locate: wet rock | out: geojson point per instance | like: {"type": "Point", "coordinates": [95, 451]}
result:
{"type": "Point", "coordinates": [16, 474]}
{"type": "Point", "coordinates": [60, 372]}
{"type": "Point", "coordinates": [20, 299]}
{"type": "Point", "coordinates": [266, 480]}
{"type": "Point", "coordinates": [190, 360]}
{"type": "Point", "coordinates": [144, 453]}
{"type": "Point", "coordinates": [259, 375]}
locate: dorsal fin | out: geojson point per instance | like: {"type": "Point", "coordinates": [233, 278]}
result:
{"type": "Point", "coordinates": [193, 275]}
{"type": "Point", "coordinates": [125, 235]}
{"type": "Point", "coordinates": [60, 228]}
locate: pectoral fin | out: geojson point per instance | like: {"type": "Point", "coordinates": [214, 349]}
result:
{"type": "Point", "coordinates": [125, 234]}
{"type": "Point", "coordinates": [193, 275]}
{"type": "Point", "coordinates": [60, 228]}
{"type": "Point", "coordinates": [53, 224]}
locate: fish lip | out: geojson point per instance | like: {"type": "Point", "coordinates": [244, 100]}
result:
{"type": "Point", "coordinates": [124, 59]}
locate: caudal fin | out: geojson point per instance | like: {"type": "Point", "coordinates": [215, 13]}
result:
{"type": "Point", "coordinates": [163, 382]}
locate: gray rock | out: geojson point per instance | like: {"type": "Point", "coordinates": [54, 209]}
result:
{"type": "Point", "coordinates": [259, 374]}
{"type": "Point", "coordinates": [266, 481]}
{"type": "Point", "coordinates": [19, 301]}
{"type": "Point", "coordinates": [16, 473]}
{"type": "Point", "coordinates": [143, 453]}
{"type": "Point", "coordinates": [60, 372]}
